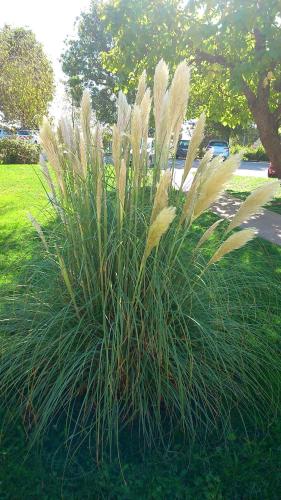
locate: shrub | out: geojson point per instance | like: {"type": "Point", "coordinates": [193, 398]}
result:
{"type": "Point", "coordinates": [250, 153]}
{"type": "Point", "coordinates": [140, 326]}
{"type": "Point", "coordinates": [18, 151]}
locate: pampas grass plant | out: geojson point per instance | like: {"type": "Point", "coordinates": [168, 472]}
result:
{"type": "Point", "coordinates": [138, 329]}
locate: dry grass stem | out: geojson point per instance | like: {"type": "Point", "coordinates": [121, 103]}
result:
{"type": "Point", "coordinates": [122, 188]}
{"type": "Point", "coordinates": [39, 230]}
{"type": "Point", "coordinates": [116, 149]}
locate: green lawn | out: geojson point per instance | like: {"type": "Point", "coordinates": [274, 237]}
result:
{"type": "Point", "coordinates": [21, 192]}
{"type": "Point", "coordinates": [246, 466]}
{"type": "Point", "coordinates": [241, 187]}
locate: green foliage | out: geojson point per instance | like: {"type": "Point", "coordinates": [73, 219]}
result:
{"type": "Point", "coordinates": [250, 153]}
{"type": "Point", "coordinates": [242, 466]}
{"type": "Point", "coordinates": [18, 151]}
{"type": "Point", "coordinates": [26, 78]}
{"type": "Point", "coordinates": [125, 324]}
{"type": "Point", "coordinates": [209, 472]}
{"type": "Point", "coordinates": [82, 63]}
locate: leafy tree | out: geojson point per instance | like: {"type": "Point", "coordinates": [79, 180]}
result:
{"type": "Point", "coordinates": [233, 46]}
{"type": "Point", "coordinates": [82, 62]}
{"type": "Point", "coordinates": [26, 78]}
{"type": "Point", "coordinates": [145, 32]}
{"type": "Point", "coordinates": [239, 41]}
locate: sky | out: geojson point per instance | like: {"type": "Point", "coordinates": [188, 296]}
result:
{"type": "Point", "coordinates": [51, 21]}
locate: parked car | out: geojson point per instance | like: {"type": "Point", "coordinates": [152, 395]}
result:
{"type": "Point", "coordinates": [28, 135]}
{"type": "Point", "coordinates": [271, 172]}
{"type": "Point", "coordinates": [4, 133]}
{"type": "Point", "coordinates": [182, 148]}
{"type": "Point", "coordinates": [219, 148]}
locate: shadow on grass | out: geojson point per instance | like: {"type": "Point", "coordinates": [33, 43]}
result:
{"type": "Point", "coordinates": [274, 205]}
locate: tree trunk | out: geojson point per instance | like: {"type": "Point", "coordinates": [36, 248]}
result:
{"type": "Point", "coordinates": [267, 125]}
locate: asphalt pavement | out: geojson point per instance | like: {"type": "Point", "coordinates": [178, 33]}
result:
{"type": "Point", "coordinates": [247, 168]}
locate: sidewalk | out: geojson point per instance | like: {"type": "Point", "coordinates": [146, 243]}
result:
{"type": "Point", "coordinates": [267, 223]}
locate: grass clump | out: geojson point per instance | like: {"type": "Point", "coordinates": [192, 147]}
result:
{"type": "Point", "coordinates": [126, 323]}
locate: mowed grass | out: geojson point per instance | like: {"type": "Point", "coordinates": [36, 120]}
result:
{"type": "Point", "coordinates": [241, 187]}
{"type": "Point", "coordinates": [248, 467]}
{"type": "Point", "coordinates": [21, 191]}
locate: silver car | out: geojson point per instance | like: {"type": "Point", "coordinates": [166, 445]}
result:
{"type": "Point", "coordinates": [219, 148]}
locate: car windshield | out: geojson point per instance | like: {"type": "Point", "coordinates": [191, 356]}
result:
{"type": "Point", "coordinates": [219, 144]}
{"type": "Point", "coordinates": [184, 144]}
{"type": "Point", "coordinates": [24, 132]}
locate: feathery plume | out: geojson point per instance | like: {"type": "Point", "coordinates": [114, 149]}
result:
{"type": "Point", "coordinates": [208, 233]}
{"type": "Point", "coordinates": [254, 203]}
{"type": "Point", "coordinates": [178, 96]}
{"type": "Point", "coordinates": [212, 187]}
{"type": "Point", "coordinates": [194, 144]}
{"type": "Point", "coordinates": [38, 228]}
{"type": "Point", "coordinates": [161, 196]}
{"type": "Point", "coordinates": [145, 106]}
{"type": "Point", "coordinates": [98, 144]}
{"type": "Point", "coordinates": [51, 147]}
{"type": "Point", "coordinates": [161, 77]}
{"type": "Point", "coordinates": [66, 131]}
{"type": "Point", "coordinates": [122, 188]}
{"type": "Point", "coordinates": [123, 112]}
{"type": "Point", "coordinates": [141, 88]}
{"type": "Point", "coordinates": [235, 241]}
{"type": "Point", "coordinates": [136, 135]}
{"type": "Point", "coordinates": [206, 164]}
{"type": "Point", "coordinates": [158, 228]}
{"type": "Point", "coordinates": [86, 115]}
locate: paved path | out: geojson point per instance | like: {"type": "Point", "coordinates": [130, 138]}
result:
{"type": "Point", "coordinates": [267, 223]}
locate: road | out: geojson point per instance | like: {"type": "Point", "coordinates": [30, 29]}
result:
{"type": "Point", "coordinates": [247, 168]}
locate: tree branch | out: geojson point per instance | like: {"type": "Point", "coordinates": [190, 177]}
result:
{"type": "Point", "coordinates": [249, 93]}
{"type": "Point", "coordinates": [212, 58]}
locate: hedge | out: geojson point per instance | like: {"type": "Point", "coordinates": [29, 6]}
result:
{"type": "Point", "coordinates": [16, 151]}
{"type": "Point", "coordinates": [250, 153]}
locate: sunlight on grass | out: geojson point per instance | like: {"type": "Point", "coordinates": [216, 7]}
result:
{"type": "Point", "coordinates": [242, 186]}
{"type": "Point", "coordinates": [21, 190]}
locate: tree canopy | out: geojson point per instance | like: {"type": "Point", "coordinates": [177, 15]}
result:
{"type": "Point", "coordinates": [26, 78]}
{"type": "Point", "coordinates": [82, 62]}
{"type": "Point", "coordinates": [233, 47]}
{"type": "Point", "coordinates": [239, 41]}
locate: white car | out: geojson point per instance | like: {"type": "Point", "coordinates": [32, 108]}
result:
{"type": "Point", "coordinates": [219, 148]}
{"type": "Point", "coordinates": [28, 135]}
